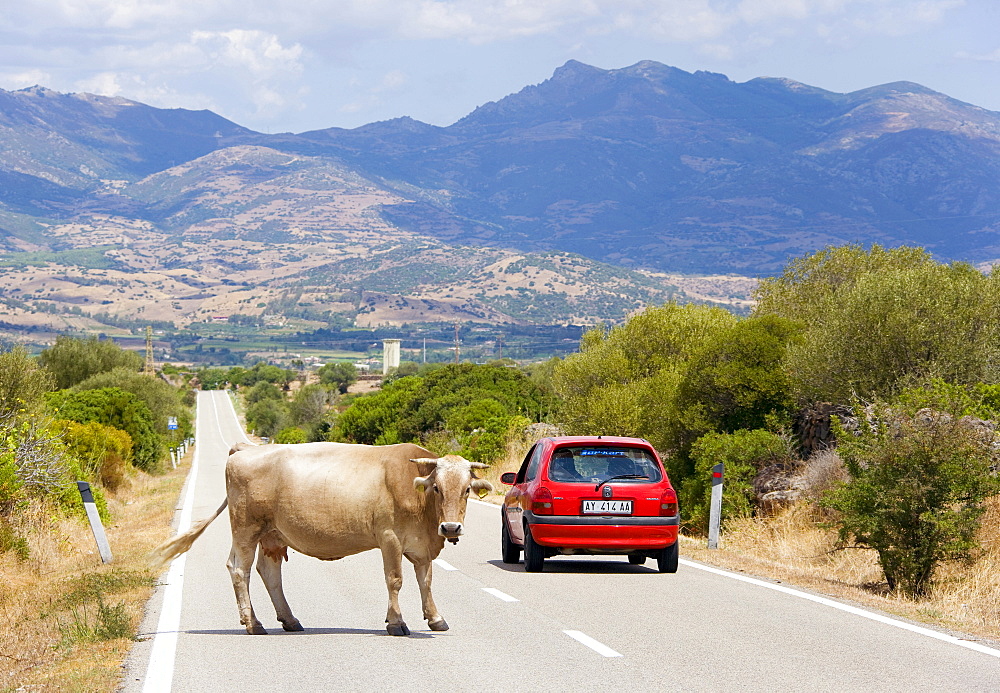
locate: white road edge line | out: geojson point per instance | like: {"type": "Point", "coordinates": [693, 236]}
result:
{"type": "Point", "coordinates": [444, 565]}
{"type": "Point", "coordinates": [503, 596]}
{"type": "Point", "coordinates": [160, 671]}
{"type": "Point", "coordinates": [598, 647]}
{"type": "Point", "coordinates": [849, 609]}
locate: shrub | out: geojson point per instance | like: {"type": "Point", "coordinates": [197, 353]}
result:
{"type": "Point", "coordinates": [744, 453]}
{"type": "Point", "coordinates": [114, 407]}
{"type": "Point", "coordinates": [915, 493]}
{"type": "Point", "coordinates": [292, 434]}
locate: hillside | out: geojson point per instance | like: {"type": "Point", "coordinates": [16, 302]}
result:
{"type": "Point", "coordinates": [576, 200]}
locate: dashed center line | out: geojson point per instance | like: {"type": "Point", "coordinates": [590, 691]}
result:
{"type": "Point", "coordinates": [598, 647]}
{"type": "Point", "coordinates": [500, 595]}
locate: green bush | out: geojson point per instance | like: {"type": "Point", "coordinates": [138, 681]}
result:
{"type": "Point", "coordinates": [292, 434]}
{"type": "Point", "coordinates": [744, 453]}
{"type": "Point", "coordinates": [915, 493]}
{"type": "Point", "coordinates": [122, 410]}
{"type": "Point", "coordinates": [72, 360]}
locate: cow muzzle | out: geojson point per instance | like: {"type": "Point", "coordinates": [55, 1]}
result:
{"type": "Point", "coordinates": [450, 531]}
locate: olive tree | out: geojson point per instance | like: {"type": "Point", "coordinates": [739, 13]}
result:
{"type": "Point", "coordinates": [878, 321]}
{"type": "Point", "coordinates": [72, 360]}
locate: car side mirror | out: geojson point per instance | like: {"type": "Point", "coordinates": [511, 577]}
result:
{"type": "Point", "coordinates": [508, 478]}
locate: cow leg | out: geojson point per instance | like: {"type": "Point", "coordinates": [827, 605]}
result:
{"type": "Point", "coordinates": [239, 564]}
{"type": "Point", "coordinates": [392, 565]}
{"type": "Point", "coordinates": [269, 569]}
{"type": "Point", "coordinates": [423, 570]}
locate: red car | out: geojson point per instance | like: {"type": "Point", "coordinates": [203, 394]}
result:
{"type": "Point", "coordinates": [595, 495]}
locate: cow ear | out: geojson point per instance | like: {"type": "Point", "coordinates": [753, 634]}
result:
{"type": "Point", "coordinates": [420, 484]}
{"type": "Point", "coordinates": [482, 487]}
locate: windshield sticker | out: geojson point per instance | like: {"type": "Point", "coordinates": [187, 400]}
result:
{"type": "Point", "coordinates": [605, 453]}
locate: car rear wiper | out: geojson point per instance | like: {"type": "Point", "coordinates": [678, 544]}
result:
{"type": "Point", "coordinates": [620, 476]}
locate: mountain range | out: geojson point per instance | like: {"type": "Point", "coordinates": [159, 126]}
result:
{"type": "Point", "coordinates": [636, 173]}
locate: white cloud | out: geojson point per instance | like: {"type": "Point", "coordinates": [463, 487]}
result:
{"type": "Point", "coordinates": [259, 52]}
{"type": "Point", "coordinates": [27, 78]}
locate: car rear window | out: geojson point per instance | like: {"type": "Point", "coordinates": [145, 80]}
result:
{"type": "Point", "coordinates": [598, 463]}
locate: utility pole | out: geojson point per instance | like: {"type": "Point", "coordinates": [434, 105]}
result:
{"type": "Point", "coordinates": [148, 368]}
{"type": "Point", "coordinates": [500, 347]}
{"type": "Point", "coordinates": [456, 342]}
{"type": "Point", "coordinates": [425, 349]}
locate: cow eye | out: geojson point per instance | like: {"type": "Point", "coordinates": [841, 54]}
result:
{"type": "Point", "coordinates": [468, 490]}
{"type": "Point", "coordinates": [436, 489]}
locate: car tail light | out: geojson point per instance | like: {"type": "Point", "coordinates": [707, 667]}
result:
{"type": "Point", "coordinates": [668, 504]}
{"type": "Point", "coordinates": [541, 503]}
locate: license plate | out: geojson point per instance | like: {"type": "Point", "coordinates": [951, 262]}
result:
{"type": "Point", "coordinates": [607, 507]}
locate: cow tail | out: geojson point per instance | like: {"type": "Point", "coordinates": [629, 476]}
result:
{"type": "Point", "coordinates": [169, 550]}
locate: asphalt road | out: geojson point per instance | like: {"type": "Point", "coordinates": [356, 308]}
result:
{"type": "Point", "coordinates": [583, 624]}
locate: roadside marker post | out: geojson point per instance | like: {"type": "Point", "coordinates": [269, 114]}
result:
{"type": "Point", "coordinates": [95, 521]}
{"type": "Point", "coordinates": [715, 510]}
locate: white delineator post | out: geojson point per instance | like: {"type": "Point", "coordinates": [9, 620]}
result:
{"type": "Point", "coordinates": [715, 510]}
{"type": "Point", "coordinates": [95, 521]}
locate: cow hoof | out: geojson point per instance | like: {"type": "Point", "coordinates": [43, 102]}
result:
{"type": "Point", "coordinates": [397, 629]}
{"type": "Point", "coordinates": [439, 624]}
{"type": "Point", "coordinates": [292, 625]}
{"type": "Point", "coordinates": [256, 629]}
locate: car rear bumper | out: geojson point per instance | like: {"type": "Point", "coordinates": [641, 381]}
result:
{"type": "Point", "coordinates": [602, 532]}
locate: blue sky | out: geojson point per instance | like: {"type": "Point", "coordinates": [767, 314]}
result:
{"type": "Point", "coordinates": [299, 65]}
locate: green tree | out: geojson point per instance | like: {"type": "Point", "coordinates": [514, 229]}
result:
{"type": "Point", "coordinates": [162, 398]}
{"type": "Point", "coordinates": [72, 360]}
{"type": "Point", "coordinates": [737, 380]}
{"type": "Point", "coordinates": [916, 491]}
{"type": "Point", "coordinates": [338, 375]}
{"type": "Point", "coordinates": [470, 404]}
{"type": "Point", "coordinates": [264, 390]}
{"type": "Point", "coordinates": [625, 380]}
{"type": "Point", "coordinates": [267, 417]}
{"type": "Point", "coordinates": [23, 384]}
{"type": "Point", "coordinates": [309, 405]}
{"type": "Point", "coordinates": [879, 321]}
{"type": "Point", "coordinates": [114, 407]}
{"type": "Point", "coordinates": [265, 372]}
{"type": "Point", "coordinates": [214, 378]}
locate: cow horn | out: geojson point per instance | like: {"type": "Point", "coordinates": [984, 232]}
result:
{"type": "Point", "coordinates": [478, 465]}
{"type": "Point", "coordinates": [425, 460]}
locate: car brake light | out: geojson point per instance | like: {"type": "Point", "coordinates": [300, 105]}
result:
{"type": "Point", "coordinates": [541, 503]}
{"type": "Point", "coordinates": [668, 504]}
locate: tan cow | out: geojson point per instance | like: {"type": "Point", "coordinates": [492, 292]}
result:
{"type": "Point", "coordinates": [331, 500]}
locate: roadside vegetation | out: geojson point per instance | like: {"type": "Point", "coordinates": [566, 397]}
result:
{"type": "Point", "coordinates": [81, 411]}
{"type": "Point", "coordinates": [855, 409]}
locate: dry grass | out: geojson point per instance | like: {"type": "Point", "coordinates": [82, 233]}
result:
{"type": "Point", "coordinates": [793, 547]}
{"type": "Point", "coordinates": [49, 603]}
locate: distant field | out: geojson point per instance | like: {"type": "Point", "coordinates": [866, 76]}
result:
{"type": "Point", "coordinates": [86, 258]}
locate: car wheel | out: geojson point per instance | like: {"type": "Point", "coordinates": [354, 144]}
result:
{"type": "Point", "coordinates": [666, 560]}
{"type": "Point", "coordinates": [534, 555]}
{"type": "Point", "coordinates": [510, 551]}
{"type": "Point", "coordinates": [637, 558]}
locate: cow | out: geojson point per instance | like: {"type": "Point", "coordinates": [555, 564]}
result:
{"type": "Point", "coordinates": [331, 500]}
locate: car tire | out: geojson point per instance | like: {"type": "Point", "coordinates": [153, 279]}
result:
{"type": "Point", "coordinates": [534, 555]}
{"type": "Point", "coordinates": [510, 551]}
{"type": "Point", "coordinates": [637, 558]}
{"type": "Point", "coordinates": [667, 559]}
